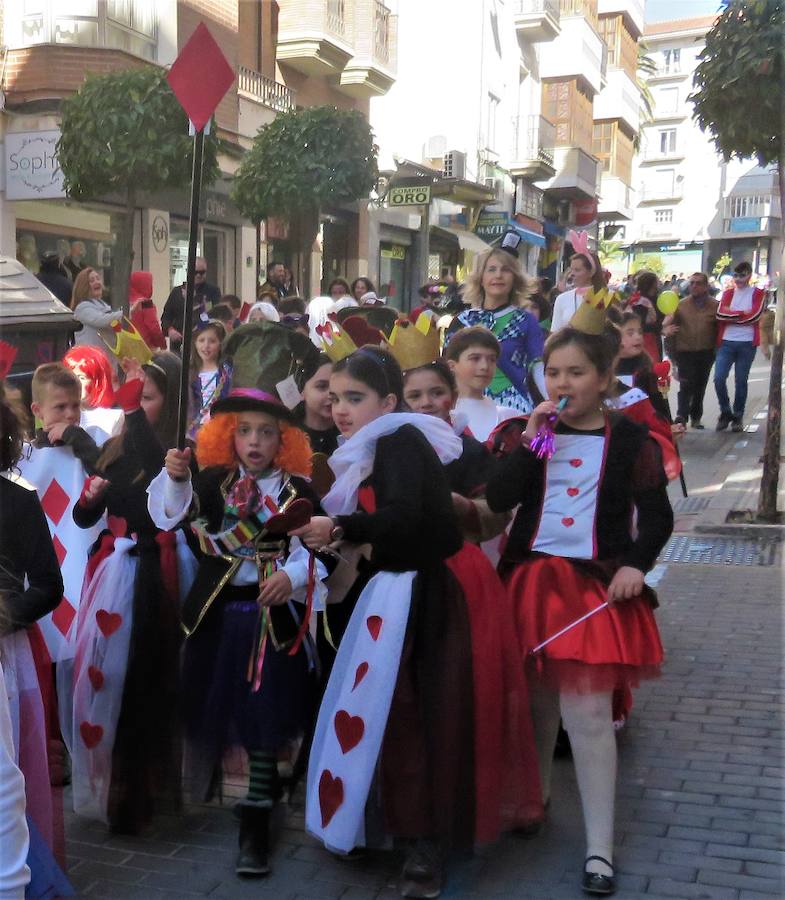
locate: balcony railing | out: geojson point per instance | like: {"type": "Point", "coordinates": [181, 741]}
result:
{"type": "Point", "coordinates": [381, 32]}
{"type": "Point", "coordinates": [660, 192]}
{"type": "Point", "coordinates": [535, 138]}
{"type": "Point", "coordinates": [533, 7]}
{"type": "Point", "coordinates": [269, 92]}
{"type": "Point", "coordinates": [335, 17]}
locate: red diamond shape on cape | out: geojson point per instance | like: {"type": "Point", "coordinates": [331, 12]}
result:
{"type": "Point", "coordinates": [60, 551]}
{"type": "Point", "coordinates": [63, 616]}
{"type": "Point", "coordinates": [55, 501]}
{"type": "Point", "coordinates": [200, 76]}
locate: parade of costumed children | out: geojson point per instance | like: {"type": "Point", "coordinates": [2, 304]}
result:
{"type": "Point", "coordinates": [574, 564]}
{"type": "Point", "coordinates": [398, 750]}
{"type": "Point", "coordinates": [249, 665]}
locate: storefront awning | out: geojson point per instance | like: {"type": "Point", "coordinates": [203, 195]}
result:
{"type": "Point", "coordinates": [467, 240]}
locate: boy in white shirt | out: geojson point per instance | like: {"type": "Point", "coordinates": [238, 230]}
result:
{"type": "Point", "coordinates": [471, 355]}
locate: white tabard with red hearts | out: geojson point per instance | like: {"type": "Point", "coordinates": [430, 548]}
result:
{"type": "Point", "coordinates": [354, 712]}
{"type": "Point", "coordinates": [572, 477]}
{"type": "Point", "coordinates": [58, 478]}
{"type": "Point", "coordinates": [103, 636]}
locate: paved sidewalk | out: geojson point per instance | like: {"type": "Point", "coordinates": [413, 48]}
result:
{"type": "Point", "coordinates": [699, 811]}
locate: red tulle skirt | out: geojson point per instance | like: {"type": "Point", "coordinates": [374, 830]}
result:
{"type": "Point", "coordinates": [613, 650]}
{"type": "Point", "coordinates": [507, 784]}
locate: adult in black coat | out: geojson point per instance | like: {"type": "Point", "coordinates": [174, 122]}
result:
{"type": "Point", "coordinates": [52, 276]}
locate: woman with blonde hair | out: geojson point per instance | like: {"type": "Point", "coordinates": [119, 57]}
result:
{"type": "Point", "coordinates": [496, 290]}
{"type": "Point", "coordinates": [91, 309]}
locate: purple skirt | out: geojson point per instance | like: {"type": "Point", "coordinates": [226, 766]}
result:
{"type": "Point", "coordinates": [221, 710]}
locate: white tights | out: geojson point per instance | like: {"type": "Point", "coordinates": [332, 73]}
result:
{"type": "Point", "coordinates": [588, 720]}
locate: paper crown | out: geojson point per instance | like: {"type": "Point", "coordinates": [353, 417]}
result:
{"type": "Point", "coordinates": [336, 343]}
{"type": "Point", "coordinates": [128, 342]}
{"type": "Point", "coordinates": [591, 315]}
{"type": "Point", "coordinates": [415, 344]}
{"type": "Point", "coordinates": [268, 358]}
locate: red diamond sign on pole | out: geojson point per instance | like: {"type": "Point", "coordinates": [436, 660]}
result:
{"type": "Point", "coordinates": [200, 76]}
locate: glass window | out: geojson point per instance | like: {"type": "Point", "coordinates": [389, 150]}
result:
{"type": "Point", "coordinates": [668, 140]}
{"type": "Point", "coordinates": [662, 216]}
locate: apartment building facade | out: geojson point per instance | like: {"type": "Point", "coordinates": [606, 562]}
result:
{"type": "Point", "coordinates": [617, 112]}
{"type": "Point", "coordinates": [535, 100]}
{"type": "Point", "coordinates": [337, 52]}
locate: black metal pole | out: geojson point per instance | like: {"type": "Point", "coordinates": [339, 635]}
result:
{"type": "Point", "coordinates": [188, 311]}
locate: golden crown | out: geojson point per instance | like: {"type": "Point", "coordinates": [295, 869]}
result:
{"type": "Point", "coordinates": [336, 343]}
{"type": "Point", "coordinates": [415, 344]}
{"type": "Point", "coordinates": [128, 342]}
{"type": "Point", "coordinates": [591, 315]}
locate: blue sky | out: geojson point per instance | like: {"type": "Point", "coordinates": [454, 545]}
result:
{"type": "Point", "coordinates": [663, 10]}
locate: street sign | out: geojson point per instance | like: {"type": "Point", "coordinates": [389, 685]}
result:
{"type": "Point", "coordinates": [491, 225]}
{"type": "Point", "coordinates": [409, 196]}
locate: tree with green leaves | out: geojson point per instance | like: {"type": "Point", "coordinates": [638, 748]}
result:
{"type": "Point", "coordinates": [646, 68]}
{"type": "Point", "coordinates": [302, 162]}
{"type": "Point", "coordinates": [123, 134]}
{"type": "Point", "coordinates": [739, 99]}
{"type": "Point", "coordinates": [651, 262]}
{"type": "Point", "coordinates": [609, 251]}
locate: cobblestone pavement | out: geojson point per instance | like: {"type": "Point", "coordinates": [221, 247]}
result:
{"type": "Point", "coordinates": [699, 809]}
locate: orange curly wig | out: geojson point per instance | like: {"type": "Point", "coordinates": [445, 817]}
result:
{"type": "Point", "coordinates": [215, 446]}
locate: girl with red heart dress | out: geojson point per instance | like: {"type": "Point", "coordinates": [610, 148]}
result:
{"type": "Point", "coordinates": [571, 548]}
{"type": "Point", "coordinates": [392, 754]}
{"type": "Point", "coordinates": [119, 685]}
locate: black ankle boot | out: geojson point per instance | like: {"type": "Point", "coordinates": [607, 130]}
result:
{"type": "Point", "coordinates": [422, 871]}
{"type": "Point", "coordinates": [254, 842]}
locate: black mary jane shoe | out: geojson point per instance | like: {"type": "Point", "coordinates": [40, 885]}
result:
{"type": "Point", "coordinates": [595, 884]}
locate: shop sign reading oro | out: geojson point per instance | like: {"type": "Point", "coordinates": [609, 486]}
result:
{"type": "Point", "coordinates": [418, 195]}
{"type": "Point", "coordinates": [32, 171]}
{"type": "Point", "coordinates": [160, 234]}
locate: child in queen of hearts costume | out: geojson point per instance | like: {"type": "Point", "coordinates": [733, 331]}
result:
{"type": "Point", "coordinates": [249, 660]}
{"type": "Point", "coordinates": [572, 547]}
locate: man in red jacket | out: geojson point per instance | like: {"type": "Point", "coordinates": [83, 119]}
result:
{"type": "Point", "coordinates": [738, 336]}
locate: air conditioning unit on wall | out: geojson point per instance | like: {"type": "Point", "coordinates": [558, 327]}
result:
{"type": "Point", "coordinates": [454, 164]}
{"type": "Point", "coordinates": [497, 186]}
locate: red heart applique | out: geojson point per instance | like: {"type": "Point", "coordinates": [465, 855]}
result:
{"type": "Point", "coordinates": [330, 796]}
{"type": "Point", "coordinates": [96, 677]}
{"type": "Point", "coordinates": [568, 521]}
{"type": "Point", "coordinates": [576, 463]}
{"type": "Point", "coordinates": [91, 734]}
{"type": "Point", "coordinates": [573, 492]}
{"type": "Point", "coordinates": [362, 671]}
{"type": "Point", "coordinates": [108, 622]}
{"type": "Point", "coordinates": [297, 514]}
{"type": "Point", "coordinates": [374, 625]}
{"type": "Point", "coordinates": [348, 729]}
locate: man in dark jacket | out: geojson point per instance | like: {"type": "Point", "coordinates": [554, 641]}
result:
{"type": "Point", "coordinates": [205, 297]}
{"type": "Point", "coordinates": [52, 275]}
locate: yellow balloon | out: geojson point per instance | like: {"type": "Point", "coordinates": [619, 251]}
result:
{"type": "Point", "coordinates": [668, 302]}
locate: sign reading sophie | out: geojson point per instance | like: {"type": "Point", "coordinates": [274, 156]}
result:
{"type": "Point", "coordinates": [31, 168]}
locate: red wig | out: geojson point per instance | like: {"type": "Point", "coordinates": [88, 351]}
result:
{"type": "Point", "coordinates": [215, 446]}
{"type": "Point", "coordinates": [93, 363]}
